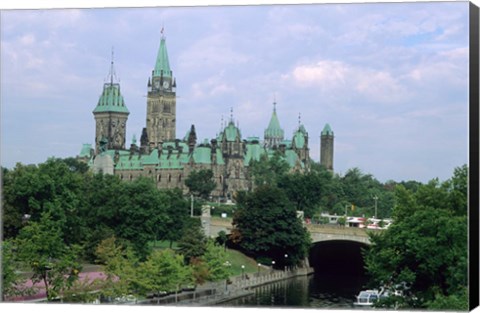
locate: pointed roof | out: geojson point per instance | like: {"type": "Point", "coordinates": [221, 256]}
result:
{"type": "Point", "coordinates": [274, 129]}
{"type": "Point", "coordinates": [327, 130]}
{"type": "Point", "coordinates": [162, 64]}
{"type": "Point", "coordinates": [111, 100]}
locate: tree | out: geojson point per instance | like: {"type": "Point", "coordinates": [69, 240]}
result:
{"type": "Point", "coordinates": [120, 265]}
{"type": "Point", "coordinates": [201, 183]}
{"type": "Point", "coordinates": [40, 246]}
{"type": "Point", "coordinates": [215, 258]}
{"type": "Point", "coordinates": [222, 239]}
{"type": "Point", "coordinates": [12, 282]}
{"type": "Point", "coordinates": [267, 171]}
{"type": "Point", "coordinates": [177, 216]}
{"type": "Point", "coordinates": [192, 244]}
{"type": "Point", "coordinates": [306, 191]}
{"type": "Point", "coordinates": [425, 249]}
{"type": "Point", "coordinates": [164, 271]}
{"type": "Point", "coordinates": [266, 225]}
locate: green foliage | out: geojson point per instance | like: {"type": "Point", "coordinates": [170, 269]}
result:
{"type": "Point", "coordinates": [306, 191]}
{"type": "Point", "coordinates": [266, 225]}
{"type": "Point", "coordinates": [201, 183]}
{"type": "Point", "coordinates": [41, 247]}
{"type": "Point", "coordinates": [215, 258]}
{"type": "Point", "coordinates": [267, 171]}
{"type": "Point", "coordinates": [12, 282]}
{"type": "Point", "coordinates": [163, 271]}
{"type": "Point", "coordinates": [176, 217]}
{"type": "Point", "coordinates": [120, 265]}
{"type": "Point", "coordinates": [222, 239]}
{"type": "Point", "coordinates": [426, 248]}
{"type": "Point", "coordinates": [192, 244]}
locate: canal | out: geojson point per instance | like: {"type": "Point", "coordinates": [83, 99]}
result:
{"type": "Point", "coordinates": [339, 277]}
{"type": "Point", "coordinates": [313, 291]}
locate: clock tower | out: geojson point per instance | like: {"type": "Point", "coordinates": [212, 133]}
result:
{"type": "Point", "coordinates": [161, 100]}
{"type": "Point", "coordinates": [111, 116]}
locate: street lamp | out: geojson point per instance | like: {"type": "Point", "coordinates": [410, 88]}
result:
{"type": "Point", "coordinates": [286, 256]}
{"type": "Point", "coordinates": [243, 271]}
{"type": "Point", "coordinates": [375, 198]}
{"type": "Point", "coordinates": [227, 264]}
{"type": "Point", "coordinates": [258, 270]}
{"type": "Point", "coordinates": [273, 263]}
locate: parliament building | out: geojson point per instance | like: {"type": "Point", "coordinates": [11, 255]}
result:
{"type": "Point", "coordinates": [169, 160]}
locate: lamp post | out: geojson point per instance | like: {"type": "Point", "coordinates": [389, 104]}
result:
{"type": "Point", "coordinates": [375, 198]}
{"type": "Point", "coordinates": [191, 205]}
{"type": "Point", "coordinates": [286, 256]}
{"type": "Point", "coordinates": [273, 263]}
{"type": "Point", "coordinates": [227, 264]}
{"type": "Point", "coordinates": [258, 269]}
{"type": "Point", "coordinates": [243, 272]}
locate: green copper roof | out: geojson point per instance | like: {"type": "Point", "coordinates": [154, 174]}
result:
{"type": "Point", "coordinates": [111, 100]}
{"type": "Point", "coordinates": [231, 132]}
{"type": "Point", "coordinates": [202, 155]}
{"type": "Point", "coordinates": [302, 129]}
{"type": "Point", "coordinates": [162, 63]}
{"type": "Point", "coordinates": [291, 157]}
{"type": "Point", "coordinates": [327, 130]}
{"type": "Point", "coordinates": [254, 151]}
{"type": "Point", "coordinates": [299, 139]}
{"type": "Point", "coordinates": [85, 152]}
{"type": "Point", "coordinates": [274, 129]}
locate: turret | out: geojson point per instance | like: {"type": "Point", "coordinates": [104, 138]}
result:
{"type": "Point", "coordinates": [111, 115]}
{"type": "Point", "coordinates": [273, 135]}
{"type": "Point", "coordinates": [326, 147]}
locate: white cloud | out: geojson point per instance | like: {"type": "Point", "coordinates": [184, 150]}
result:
{"type": "Point", "coordinates": [332, 76]}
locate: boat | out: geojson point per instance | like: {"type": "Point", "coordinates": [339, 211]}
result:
{"type": "Point", "coordinates": [367, 298]}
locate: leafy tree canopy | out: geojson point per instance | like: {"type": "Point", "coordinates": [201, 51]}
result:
{"type": "Point", "coordinates": [267, 226]}
{"type": "Point", "coordinates": [201, 183]}
{"type": "Point", "coordinates": [425, 248]}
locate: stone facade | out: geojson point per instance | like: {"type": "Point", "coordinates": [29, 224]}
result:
{"type": "Point", "coordinates": [168, 160]}
{"type": "Point", "coordinates": [326, 148]}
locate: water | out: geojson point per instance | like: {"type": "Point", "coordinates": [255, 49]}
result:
{"type": "Point", "coordinates": [313, 291]}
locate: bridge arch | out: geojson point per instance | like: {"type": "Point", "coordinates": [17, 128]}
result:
{"type": "Point", "coordinates": [338, 258]}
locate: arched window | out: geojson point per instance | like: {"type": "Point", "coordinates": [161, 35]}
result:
{"type": "Point", "coordinates": [159, 177]}
{"type": "Point", "coordinates": [180, 177]}
{"type": "Point", "coordinates": [169, 177]}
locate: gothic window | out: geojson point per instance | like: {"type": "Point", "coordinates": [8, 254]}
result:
{"type": "Point", "coordinates": [159, 177]}
{"type": "Point", "coordinates": [169, 177]}
{"type": "Point", "coordinates": [180, 177]}
{"type": "Point", "coordinates": [166, 108]}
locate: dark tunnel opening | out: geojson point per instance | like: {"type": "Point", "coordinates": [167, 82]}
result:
{"type": "Point", "coordinates": [339, 267]}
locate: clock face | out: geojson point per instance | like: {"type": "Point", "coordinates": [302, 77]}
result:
{"type": "Point", "coordinates": [165, 84]}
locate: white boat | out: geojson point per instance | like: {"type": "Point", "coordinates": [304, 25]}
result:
{"type": "Point", "coordinates": [367, 298]}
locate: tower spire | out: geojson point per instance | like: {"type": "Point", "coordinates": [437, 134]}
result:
{"type": "Point", "coordinates": [162, 65]}
{"type": "Point", "coordinates": [299, 119]}
{"type": "Point", "coordinates": [231, 114]}
{"type": "Point", "coordinates": [112, 73]}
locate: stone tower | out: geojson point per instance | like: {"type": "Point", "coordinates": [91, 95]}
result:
{"type": "Point", "coordinates": [273, 135]}
{"type": "Point", "coordinates": [111, 116]}
{"type": "Point", "coordinates": [326, 148]}
{"type": "Point", "coordinates": [161, 100]}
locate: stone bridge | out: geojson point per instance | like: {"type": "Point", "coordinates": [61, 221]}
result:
{"type": "Point", "coordinates": [318, 233]}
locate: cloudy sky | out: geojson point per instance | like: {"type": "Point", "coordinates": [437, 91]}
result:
{"type": "Point", "coordinates": [391, 79]}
